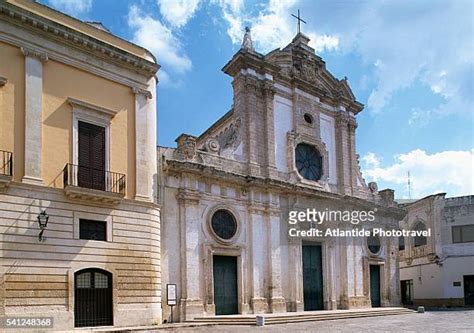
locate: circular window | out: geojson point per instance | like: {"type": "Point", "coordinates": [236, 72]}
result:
{"type": "Point", "coordinates": [308, 162]}
{"type": "Point", "coordinates": [308, 118]}
{"type": "Point", "coordinates": [224, 224]}
{"type": "Point", "coordinates": [373, 243]}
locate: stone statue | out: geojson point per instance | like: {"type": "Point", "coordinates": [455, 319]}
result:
{"type": "Point", "coordinates": [247, 44]}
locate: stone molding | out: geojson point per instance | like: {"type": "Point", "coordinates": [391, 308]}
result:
{"type": "Point", "coordinates": [28, 52]}
{"type": "Point", "coordinates": [78, 104]}
{"type": "Point", "coordinates": [141, 91]}
{"type": "Point", "coordinates": [3, 81]}
{"type": "Point", "coordinates": [78, 39]}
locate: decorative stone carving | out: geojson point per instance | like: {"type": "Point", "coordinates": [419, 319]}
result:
{"type": "Point", "coordinates": [186, 147]}
{"type": "Point", "coordinates": [230, 137]}
{"type": "Point", "coordinates": [247, 44]}
{"type": "Point", "coordinates": [373, 187]}
{"type": "Point", "coordinates": [212, 145]}
{"type": "Point", "coordinates": [43, 57]}
{"type": "Point", "coordinates": [140, 91]}
{"type": "Point", "coordinates": [305, 70]}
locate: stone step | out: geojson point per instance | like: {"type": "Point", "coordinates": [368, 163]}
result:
{"type": "Point", "coordinates": [300, 316]}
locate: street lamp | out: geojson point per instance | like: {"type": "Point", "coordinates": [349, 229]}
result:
{"type": "Point", "coordinates": [43, 223]}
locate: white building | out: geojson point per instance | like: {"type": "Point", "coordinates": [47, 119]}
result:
{"type": "Point", "coordinates": [438, 270]}
{"type": "Point", "coordinates": [287, 144]}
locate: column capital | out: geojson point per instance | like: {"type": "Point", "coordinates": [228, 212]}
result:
{"type": "Point", "coordinates": [28, 52]}
{"type": "Point", "coordinates": [141, 91]}
{"type": "Point", "coordinates": [3, 81]}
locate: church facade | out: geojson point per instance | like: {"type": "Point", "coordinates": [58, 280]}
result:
{"type": "Point", "coordinates": [287, 144]}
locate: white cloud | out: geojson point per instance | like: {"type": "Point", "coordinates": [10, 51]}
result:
{"type": "Point", "coordinates": [72, 7]}
{"type": "Point", "coordinates": [160, 40]}
{"type": "Point", "coordinates": [428, 42]}
{"type": "Point", "coordinates": [450, 171]}
{"type": "Point", "coordinates": [371, 160]}
{"type": "Point", "coordinates": [178, 12]}
{"type": "Point", "coordinates": [272, 27]}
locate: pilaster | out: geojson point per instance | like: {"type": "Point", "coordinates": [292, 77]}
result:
{"type": "Point", "coordinates": [277, 302]}
{"type": "Point", "coordinates": [258, 299]}
{"type": "Point", "coordinates": [191, 303]}
{"type": "Point", "coordinates": [145, 136]}
{"type": "Point", "coordinates": [33, 115]}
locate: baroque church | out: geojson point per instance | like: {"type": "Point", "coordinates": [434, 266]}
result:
{"type": "Point", "coordinates": [287, 144]}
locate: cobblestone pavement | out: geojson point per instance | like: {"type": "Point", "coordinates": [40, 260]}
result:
{"type": "Point", "coordinates": [433, 321]}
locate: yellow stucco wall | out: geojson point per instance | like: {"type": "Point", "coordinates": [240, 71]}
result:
{"type": "Point", "coordinates": [61, 82]}
{"type": "Point", "coordinates": [12, 104]}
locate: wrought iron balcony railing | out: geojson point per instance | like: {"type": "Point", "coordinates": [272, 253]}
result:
{"type": "Point", "coordinates": [85, 177]}
{"type": "Point", "coordinates": [6, 163]}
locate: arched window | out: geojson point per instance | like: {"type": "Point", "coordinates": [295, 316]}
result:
{"type": "Point", "coordinates": [401, 243]}
{"type": "Point", "coordinates": [93, 304]}
{"type": "Point", "coordinates": [223, 224]}
{"type": "Point", "coordinates": [308, 162]}
{"type": "Point", "coordinates": [419, 240]}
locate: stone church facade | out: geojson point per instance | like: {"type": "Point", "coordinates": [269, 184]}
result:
{"type": "Point", "coordinates": [287, 144]}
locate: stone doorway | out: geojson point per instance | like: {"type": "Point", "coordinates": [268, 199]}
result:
{"type": "Point", "coordinates": [375, 286]}
{"type": "Point", "coordinates": [312, 277]}
{"type": "Point", "coordinates": [225, 285]}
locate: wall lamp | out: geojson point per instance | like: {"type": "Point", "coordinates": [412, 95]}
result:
{"type": "Point", "coordinates": [43, 223]}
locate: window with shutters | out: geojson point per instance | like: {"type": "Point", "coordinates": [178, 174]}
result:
{"type": "Point", "coordinates": [91, 156]}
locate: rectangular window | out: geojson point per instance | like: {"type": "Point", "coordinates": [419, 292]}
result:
{"type": "Point", "coordinates": [463, 234]}
{"type": "Point", "coordinates": [94, 230]}
{"type": "Point", "coordinates": [91, 156]}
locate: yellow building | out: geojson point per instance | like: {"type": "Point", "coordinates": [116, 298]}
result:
{"type": "Point", "coordinates": [77, 142]}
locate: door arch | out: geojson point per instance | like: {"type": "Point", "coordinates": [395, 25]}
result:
{"type": "Point", "coordinates": [93, 302]}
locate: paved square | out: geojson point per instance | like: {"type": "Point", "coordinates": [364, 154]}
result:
{"type": "Point", "coordinates": [435, 321]}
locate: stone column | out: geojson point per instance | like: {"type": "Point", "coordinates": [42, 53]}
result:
{"type": "Point", "coordinates": [144, 130]}
{"type": "Point", "coordinates": [277, 302]}
{"type": "Point", "coordinates": [268, 94]}
{"type": "Point", "coordinates": [191, 304]}
{"type": "Point", "coordinates": [352, 125]}
{"type": "Point", "coordinates": [343, 152]}
{"type": "Point", "coordinates": [33, 115]}
{"type": "Point", "coordinates": [258, 253]}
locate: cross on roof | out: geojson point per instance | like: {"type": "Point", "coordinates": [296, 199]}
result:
{"type": "Point", "coordinates": [299, 20]}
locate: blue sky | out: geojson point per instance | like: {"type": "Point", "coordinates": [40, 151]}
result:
{"type": "Point", "coordinates": [409, 62]}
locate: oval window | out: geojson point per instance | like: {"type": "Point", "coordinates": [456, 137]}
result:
{"type": "Point", "coordinates": [308, 118]}
{"type": "Point", "coordinates": [373, 243]}
{"type": "Point", "coordinates": [223, 224]}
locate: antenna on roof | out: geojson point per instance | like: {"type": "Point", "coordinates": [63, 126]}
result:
{"type": "Point", "coordinates": [409, 186]}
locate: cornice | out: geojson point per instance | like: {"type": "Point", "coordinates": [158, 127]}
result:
{"type": "Point", "coordinates": [76, 39]}
{"type": "Point", "coordinates": [281, 186]}
{"type": "Point", "coordinates": [75, 103]}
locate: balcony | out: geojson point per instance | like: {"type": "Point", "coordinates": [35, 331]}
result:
{"type": "Point", "coordinates": [84, 183]}
{"type": "Point", "coordinates": [6, 168]}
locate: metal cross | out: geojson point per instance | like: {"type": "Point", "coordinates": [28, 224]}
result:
{"type": "Point", "coordinates": [299, 20]}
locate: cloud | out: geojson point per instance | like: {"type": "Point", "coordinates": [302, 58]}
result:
{"type": "Point", "coordinates": [160, 40]}
{"type": "Point", "coordinates": [371, 160]}
{"type": "Point", "coordinates": [418, 42]}
{"type": "Point", "coordinates": [72, 7]}
{"type": "Point", "coordinates": [178, 12]}
{"type": "Point", "coordinates": [450, 171]}
{"type": "Point", "coordinates": [272, 27]}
